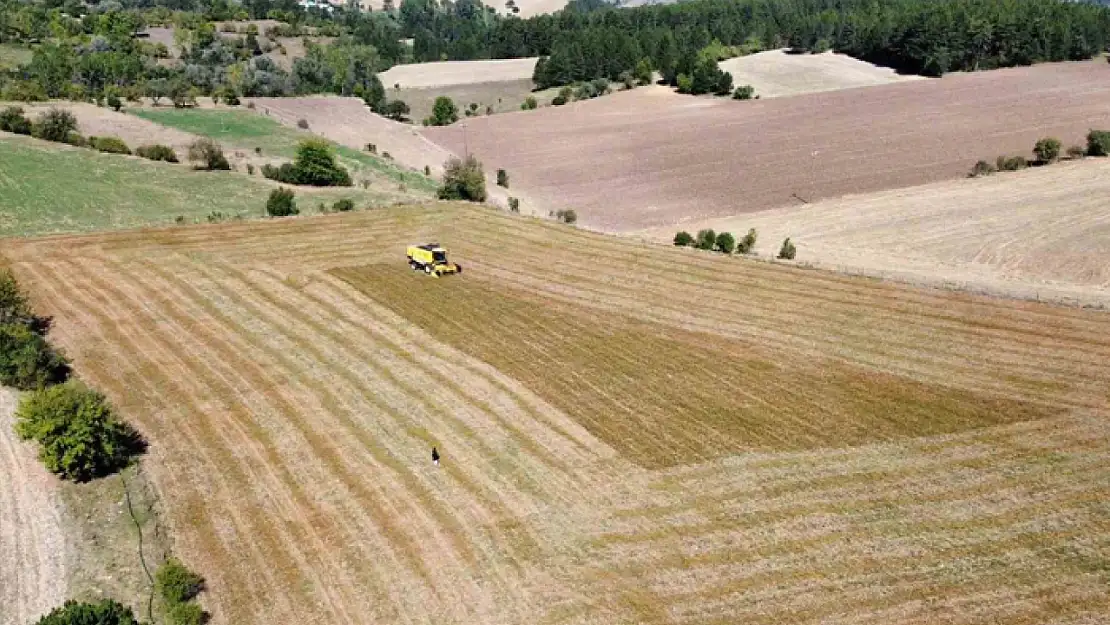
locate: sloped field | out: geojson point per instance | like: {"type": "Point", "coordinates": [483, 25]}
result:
{"type": "Point", "coordinates": [451, 73]}
{"type": "Point", "coordinates": [630, 433]}
{"type": "Point", "coordinates": [1041, 233]}
{"type": "Point", "coordinates": [648, 157]}
{"type": "Point", "coordinates": [776, 73]}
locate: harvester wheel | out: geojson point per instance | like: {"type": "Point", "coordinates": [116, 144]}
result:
{"type": "Point", "coordinates": [428, 269]}
{"type": "Point", "coordinates": [458, 268]}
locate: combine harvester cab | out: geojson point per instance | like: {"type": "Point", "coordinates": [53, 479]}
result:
{"type": "Point", "coordinates": [431, 258]}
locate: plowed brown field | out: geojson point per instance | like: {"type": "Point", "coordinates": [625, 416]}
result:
{"type": "Point", "coordinates": [649, 157]}
{"type": "Point", "coordinates": [630, 433]}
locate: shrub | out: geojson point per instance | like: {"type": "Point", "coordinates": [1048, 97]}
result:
{"type": "Point", "coordinates": [12, 119]}
{"type": "Point", "coordinates": [176, 583]}
{"type": "Point", "coordinates": [111, 145]}
{"type": "Point", "coordinates": [208, 155]}
{"type": "Point", "coordinates": [427, 170]}
{"type": "Point", "coordinates": [315, 165]}
{"type": "Point", "coordinates": [514, 205]}
{"type": "Point", "coordinates": [54, 125]}
{"type": "Point", "coordinates": [706, 239]}
{"type": "Point", "coordinates": [186, 614]}
{"type": "Point", "coordinates": [250, 169]}
{"type": "Point", "coordinates": [103, 612]}
{"type": "Point", "coordinates": [1077, 151]}
{"type": "Point", "coordinates": [683, 239]}
{"type": "Point", "coordinates": [281, 203]}
{"type": "Point", "coordinates": [981, 168]}
{"type": "Point", "coordinates": [1013, 163]}
{"type": "Point", "coordinates": [302, 123]}
{"type": "Point", "coordinates": [627, 80]}
{"type": "Point", "coordinates": [1098, 143]}
{"type": "Point", "coordinates": [444, 112]}
{"type": "Point", "coordinates": [114, 102]}
{"type": "Point", "coordinates": [79, 436]}
{"type": "Point", "coordinates": [157, 152]}
{"type": "Point", "coordinates": [747, 244]}
{"type": "Point", "coordinates": [567, 216]}
{"type": "Point", "coordinates": [463, 180]}
{"type": "Point", "coordinates": [15, 307]}
{"type": "Point", "coordinates": [529, 103]}
{"type": "Point", "coordinates": [27, 361]}
{"type": "Point", "coordinates": [372, 148]}
{"type": "Point", "coordinates": [1047, 150]}
{"type": "Point", "coordinates": [726, 242]}
{"type": "Point", "coordinates": [743, 92]}
{"type": "Point", "coordinates": [397, 110]}
{"type": "Point", "coordinates": [344, 205]}
{"type": "Point", "coordinates": [685, 83]}
{"type": "Point", "coordinates": [643, 71]}
{"type": "Point", "coordinates": [75, 139]}
{"type": "Point", "coordinates": [502, 178]}
{"type": "Point", "coordinates": [558, 100]}
{"type": "Point", "coordinates": [787, 251]}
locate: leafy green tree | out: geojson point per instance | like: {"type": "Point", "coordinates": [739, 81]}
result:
{"type": "Point", "coordinates": [27, 361]}
{"type": "Point", "coordinates": [463, 180]}
{"type": "Point", "coordinates": [176, 583]}
{"type": "Point", "coordinates": [444, 112]}
{"type": "Point", "coordinates": [15, 306]}
{"type": "Point", "coordinates": [683, 239]}
{"type": "Point", "coordinates": [787, 251]}
{"type": "Point", "coordinates": [55, 125]}
{"type": "Point", "coordinates": [1047, 149]}
{"type": "Point", "coordinates": [706, 240]}
{"type": "Point", "coordinates": [114, 102]}
{"type": "Point", "coordinates": [315, 165]}
{"type": "Point", "coordinates": [685, 84]}
{"type": "Point", "coordinates": [1098, 143]}
{"type": "Point", "coordinates": [396, 110]}
{"type": "Point", "coordinates": [281, 203]}
{"type": "Point", "coordinates": [725, 242]}
{"type": "Point", "coordinates": [103, 612]}
{"type": "Point", "coordinates": [643, 72]}
{"type": "Point", "coordinates": [79, 437]}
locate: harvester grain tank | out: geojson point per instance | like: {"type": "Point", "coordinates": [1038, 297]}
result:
{"type": "Point", "coordinates": [431, 258]}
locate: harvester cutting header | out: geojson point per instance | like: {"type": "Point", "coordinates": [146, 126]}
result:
{"type": "Point", "coordinates": [432, 259]}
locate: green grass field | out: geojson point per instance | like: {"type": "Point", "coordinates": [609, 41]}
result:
{"type": "Point", "coordinates": [246, 131]}
{"type": "Point", "coordinates": [12, 55]}
{"type": "Point", "coordinates": [49, 188]}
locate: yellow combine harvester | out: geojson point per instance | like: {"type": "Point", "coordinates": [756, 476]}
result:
{"type": "Point", "coordinates": [432, 259]}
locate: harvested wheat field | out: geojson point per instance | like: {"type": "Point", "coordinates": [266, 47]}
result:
{"type": "Point", "coordinates": [680, 157]}
{"type": "Point", "coordinates": [449, 73]}
{"type": "Point", "coordinates": [1042, 233]}
{"type": "Point", "coordinates": [33, 552]}
{"type": "Point", "coordinates": [777, 73]}
{"type": "Point", "coordinates": [630, 433]}
{"type": "Point", "coordinates": [349, 122]}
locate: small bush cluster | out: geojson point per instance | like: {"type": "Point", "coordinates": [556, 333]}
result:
{"type": "Point", "coordinates": [208, 155]}
{"type": "Point", "coordinates": [1098, 143]}
{"type": "Point", "coordinates": [1046, 151]}
{"type": "Point", "coordinates": [27, 360]}
{"type": "Point", "coordinates": [281, 203]}
{"type": "Point", "coordinates": [981, 168]}
{"type": "Point", "coordinates": [744, 92]}
{"type": "Point", "coordinates": [787, 251]}
{"type": "Point", "coordinates": [111, 145]}
{"type": "Point", "coordinates": [514, 205]}
{"type": "Point", "coordinates": [314, 165]}
{"type": "Point", "coordinates": [529, 104]}
{"type": "Point", "coordinates": [178, 588]}
{"type": "Point", "coordinates": [344, 205]}
{"type": "Point", "coordinates": [103, 612]}
{"type": "Point", "coordinates": [157, 152]}
{"type": "Point", "coordinates": [302, 123]}
{"type": "Point", "coordinates": [1011, 163]}
{"type": "Point", "coordinates": [723, 242]}
{"type": "Point", "coordinates": [502, 178]}
{"type": "Point", "coordinates": [567, 216]}
{"type": "Point", "coordinates": [55, 125]}
{"type": "Point", "coordinates": [13, 120]}
{"type": "Point", "coordinates": [463, 180]}
{"type": "Point", "coordinates": [444, 112]}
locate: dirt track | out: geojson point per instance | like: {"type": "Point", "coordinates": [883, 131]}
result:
{"type": "Point", "coordinates": [295, 374]}
{"type": "Point", "coordinates": [649, 158]}
{"type": "Point", "coordinates": [32, 543]}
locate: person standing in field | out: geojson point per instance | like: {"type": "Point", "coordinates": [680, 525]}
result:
{"type": "Point", "coordinates": [435, 456]}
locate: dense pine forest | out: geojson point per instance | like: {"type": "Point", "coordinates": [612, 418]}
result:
{"type": "Point", "coordinates": [84, 51]}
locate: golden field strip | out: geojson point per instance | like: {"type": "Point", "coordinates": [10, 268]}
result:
{"type": "Point", "coordinates": [630, 433]}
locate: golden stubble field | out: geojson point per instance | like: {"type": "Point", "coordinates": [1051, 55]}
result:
{"type": "Point", "coordinates": [630, 433]}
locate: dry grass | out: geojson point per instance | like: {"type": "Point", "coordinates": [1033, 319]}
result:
{"type": "Point", "coordinates": [776, 73]}
{"type": "Point", "coordinates": [291, 417]}
{"type": "Point", "coordinates": [685, 158]}
{"type": "Point", "coordinates": [453, 73]}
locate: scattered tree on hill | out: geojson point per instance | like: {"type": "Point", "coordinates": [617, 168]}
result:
{"type": "Point", "coordinates": [315, 165]}
{"type": "Point", "coordinates": [744, 92]}
{"type": "Point", "coordinates": [706, 239]}
{"type": "Point", "coordinates": [208, 155]}
{"type": "Point", "coordinates": [27, 361]}
{"type": "Point", "coordinates": [444, 112]}
{"type": "Point", "coordinates": [15, 306]}
{"type": "Point", "coordinates": [747, 244]}
{"type": "Point", "coordinates": [281, 203]}
{"type": "Point", "coordinates": [103, 612]}
{"type": "Point", "coordinates": [79, 437]}
{"type": "Point", "coordinates": [463, 180]}
{"type": "Point", "coordinates": [55, 125]}
{"type": "Point", "coordinates": [344, 205]}
{"type": "Point", "coordinates": [567, 216]}
{"type": "Point", "coordinates": [397, 110]}
{"type": "Point", "coordinates": [114, 102]}
{"type": "Point", "coordinates": [1098, 143]}
{"type": "Point", "coordinates": [176, 583]}
{"type": "Point", "coordinates": [12, 119]}
{"type": "Point", "coordinates": [529, 104]}
{"type": "Point", "coordinates": [683, 239]}
{"type": "Point", "coordinates": [157, 152]}
{"type": "Point", "coordinates": [787, 251]}
{"type": "Point", "coordinates": [502, 178]}
{"type": "Point", "coordinates": [1047, 150]}
{"type": "Point", "coordinates": [725, 242]}
{"type": "Point", "coordinates": [981, 168]}
{"type": "Point", "coordinates": [643, 72]}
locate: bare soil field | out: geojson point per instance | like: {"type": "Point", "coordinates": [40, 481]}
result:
{"type": "Point", "coordinates": [630, 432]}
{"type": "Point", "coordinates": [348, 121]}
{"type": "Point", "coordinates": [683, 158]}
{"type": "Point", "coordinates": [776, 73]}
{"type": "Point", "coordinates": [1042, 233]}
{"type": "Point", "coordinates": [449, 73]}
{"type": "Point", "coordinates": [33, 551]}
{"type": "Point", "coordinates": [499, 97]}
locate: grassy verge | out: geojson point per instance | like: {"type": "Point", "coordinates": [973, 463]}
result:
{"type": "Point", "coordinates": [49, 188]}
{"type": "Point", "coordinates": [247, 131]}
